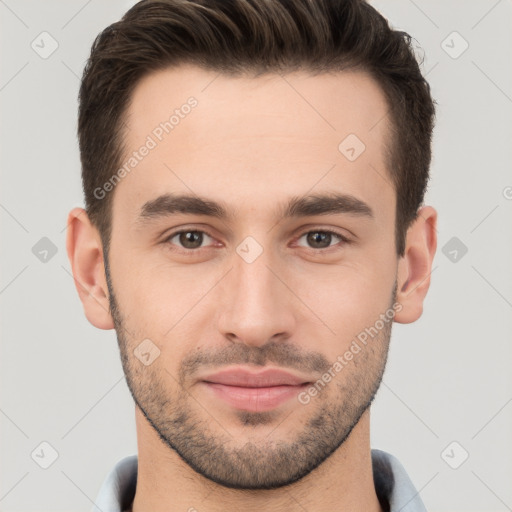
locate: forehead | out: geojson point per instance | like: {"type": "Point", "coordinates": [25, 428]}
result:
{"type": "Point", "coordinates": [288, 133]}
{"type": "Point", "coordinates": [336, 102]}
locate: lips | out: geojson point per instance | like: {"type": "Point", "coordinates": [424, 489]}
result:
{"type": "Point", "coordinates": [255, 392]}
{"type": "Point", "coordinates": [264, 379]}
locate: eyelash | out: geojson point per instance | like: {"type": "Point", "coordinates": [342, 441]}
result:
{"type": "Point", "coordinates": [343, 239]}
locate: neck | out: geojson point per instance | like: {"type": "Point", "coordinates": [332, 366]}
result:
{"type": "Point", "coordinates": [165, 483]}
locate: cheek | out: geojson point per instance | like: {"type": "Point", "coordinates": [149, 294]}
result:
{"type": "Point", "coordinates": [141, 281]}
{"type": "Point", "coordinates": [346, 300]}
{"type": "Point", "coordinates": [163, 302]}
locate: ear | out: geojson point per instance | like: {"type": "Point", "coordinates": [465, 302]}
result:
{"type": "Point", "coordinates": [415, 267]}
{"type": "Point", "coordinates": [85, 253]}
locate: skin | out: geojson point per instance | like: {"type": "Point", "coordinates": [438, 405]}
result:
{"type": "Point", "coordinates": [252, 144]}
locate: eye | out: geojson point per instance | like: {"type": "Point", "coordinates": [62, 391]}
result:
{"type": "Point", "coordinates": [188, 239]}
{"type": "Point", "coordinates": [193, 239]}
{"type": "Point", "coordinates": [321, 239]}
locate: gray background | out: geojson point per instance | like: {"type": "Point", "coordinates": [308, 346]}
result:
{"type": "Point", "coordinates": [449, 374]}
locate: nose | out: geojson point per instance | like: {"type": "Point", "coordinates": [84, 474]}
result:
{"type": "Point", "coordinates": [256, 305]}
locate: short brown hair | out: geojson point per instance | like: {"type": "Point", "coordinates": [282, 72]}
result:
{"type": "Point", "coordinates": [254, 36]}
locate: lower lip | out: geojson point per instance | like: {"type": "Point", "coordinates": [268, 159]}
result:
{"type": "Point", "coordinates": [255, 399]}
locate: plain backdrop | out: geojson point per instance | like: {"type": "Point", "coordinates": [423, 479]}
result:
{"type": "Point", "coordinates": [445, 405]}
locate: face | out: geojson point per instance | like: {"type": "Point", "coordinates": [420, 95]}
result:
{"type": "Point", "coordinates": [244, 239]}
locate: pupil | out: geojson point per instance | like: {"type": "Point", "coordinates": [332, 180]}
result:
{"type": "Point", "coordinates": [319, 239]}
{"type": "Point", "coordinates": [191, 239]}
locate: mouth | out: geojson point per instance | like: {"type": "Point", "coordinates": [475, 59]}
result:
{"type": "Point", "coordinates": [255, 392]}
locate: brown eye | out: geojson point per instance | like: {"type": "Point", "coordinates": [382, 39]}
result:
{"type": "Point", "coordinates": [322, 239]}
{"type": "Point", "coordinates": [188, 239]}
{"type": "Point", "coordinates": [319, 239]}
{"type": "Point", "coordinates": [191, 239]}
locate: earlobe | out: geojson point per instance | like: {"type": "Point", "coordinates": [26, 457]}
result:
{"type": "Point", "coordinates": [415, 266]}
{"type": "Point", "coordinates": [85, 253]}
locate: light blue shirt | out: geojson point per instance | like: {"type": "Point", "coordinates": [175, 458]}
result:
{"type": "Point", "coordinates": [393, 486]}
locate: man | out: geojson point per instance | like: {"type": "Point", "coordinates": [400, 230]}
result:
{"type": "Point", "coordinates": [254, 172]}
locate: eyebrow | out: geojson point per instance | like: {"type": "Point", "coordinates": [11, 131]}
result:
{"type": "Point", "coordinates": [168, 204]}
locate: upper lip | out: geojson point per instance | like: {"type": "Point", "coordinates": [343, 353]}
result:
{"type": "Point", "coordinates": [244, 378]}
